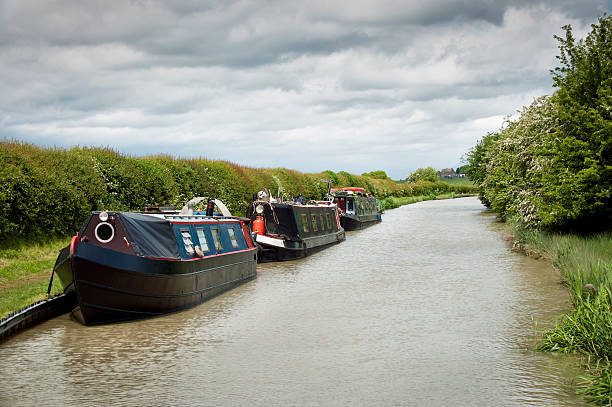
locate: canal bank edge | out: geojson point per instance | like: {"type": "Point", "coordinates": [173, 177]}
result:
{"type": "Point", "coordinates": [578, 260]}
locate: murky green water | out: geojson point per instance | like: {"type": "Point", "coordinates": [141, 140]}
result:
{"type": "Point", "coordinates": [428, 308]}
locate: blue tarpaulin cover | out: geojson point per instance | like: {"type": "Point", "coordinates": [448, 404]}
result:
{"type": "Point", "coordinates": [150, 236]}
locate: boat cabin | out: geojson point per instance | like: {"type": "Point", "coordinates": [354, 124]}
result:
{"type": "Point", "coordinates": [166, 236]}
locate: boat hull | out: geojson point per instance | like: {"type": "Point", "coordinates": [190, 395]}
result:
{"type": "Point", "coordinates": [113, 287]}
{"type": "Point", "coordinates": [291, 250]}
{"type": "Point", "coordinates": [353, 222]}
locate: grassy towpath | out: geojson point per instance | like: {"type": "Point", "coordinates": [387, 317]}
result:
{"type": "Point", "coordinates": [395, 202]}
{"type": "Point", "coordinates": [459, 181]}
{"type": "Point", "coordinates": [25, 269]}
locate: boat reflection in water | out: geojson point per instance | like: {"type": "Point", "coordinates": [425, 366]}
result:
{"type": "Point", "coordinates": [129, 265]}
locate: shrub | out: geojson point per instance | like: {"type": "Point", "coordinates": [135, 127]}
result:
{"type": "Point", "coordinates": [552, 166]}
{"type": "Point", "coordinates": [424, 174]}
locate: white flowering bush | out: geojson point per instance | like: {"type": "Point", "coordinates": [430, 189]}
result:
{"type": "Point", "coordinates": [552, 167]}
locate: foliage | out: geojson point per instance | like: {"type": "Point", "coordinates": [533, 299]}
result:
{"type": "Point", "coordinates": [331, 175]}
{"type": "Point", "coordinates": [46, 193]}
{"type": "Point", "coordinates": [551, 170]}
{"type": "Point", "coordinates": [552, 166]}
{"type": "Point", "coordinates": [596, 385]}
{"type": "Point", "coordinates": [586, 264]}
{"type": "Point", "coordinates": [395, 202]}
{"type": "Point", "coordinates": [24, 273]}
{"type": "Point", "coordinates": [424, 174]}
{"type": "Point", "coordinates": [464, 181]}
{"type": "Point", "coordinates": [376, 174]}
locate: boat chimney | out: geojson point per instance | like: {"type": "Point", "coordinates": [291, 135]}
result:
{"type": "Point", "coordinates": [210, 207]}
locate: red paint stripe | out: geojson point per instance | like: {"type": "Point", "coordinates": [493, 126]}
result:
{"type": "Point", "coordinates": [247, 235]}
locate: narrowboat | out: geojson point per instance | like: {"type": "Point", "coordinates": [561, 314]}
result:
{"type": "Point", "coordinates": [357, 208]}
{"type": "Point", "coordinates": [294, 229]}
{"type": "Point", "coordinates": [129, 265]}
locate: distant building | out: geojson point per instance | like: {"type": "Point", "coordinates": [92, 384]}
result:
{"type": "Point", "coordinates": [447, 173]}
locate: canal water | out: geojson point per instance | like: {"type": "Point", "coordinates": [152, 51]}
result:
{"type": "Point", "coordinates": [428, 308]}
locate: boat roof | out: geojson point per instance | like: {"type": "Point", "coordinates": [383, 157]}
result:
{"type": "Point", "coordinates": [354, 189]}
{"type": "Point", "coordinates": [311, 204]}
{"type": "Point", "coordinates": [193, 218]}
{"type": "Point", "coordinates": [150, 236]}
{"type": "Point", "coordinates": [348, 191]}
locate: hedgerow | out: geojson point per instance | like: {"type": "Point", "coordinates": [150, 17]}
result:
{"type": "Point", "coordinates": [50, 192]}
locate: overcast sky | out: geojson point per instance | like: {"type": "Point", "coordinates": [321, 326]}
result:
{"type": "Point", "coordinates": [308, 85]}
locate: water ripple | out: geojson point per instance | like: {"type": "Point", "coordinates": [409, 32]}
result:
{"type": "Point", "coordinates": [430, 307]}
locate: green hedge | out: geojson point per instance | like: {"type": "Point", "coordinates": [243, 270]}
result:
{"type": "Point", "coordinates": [50, 192]}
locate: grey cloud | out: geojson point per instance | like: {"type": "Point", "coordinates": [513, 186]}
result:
{"type": "Point", "coordinates": [404, 82]}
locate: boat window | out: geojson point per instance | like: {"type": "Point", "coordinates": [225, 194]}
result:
{"type": "Point", "coordinates": [305, 223]}
{"type": "Point", "coordinates": [314, 223]}
{"type": "Point", "coordinates": [329, 221]}
{"type": "Point", "coordinates": [322, 221]}
{"type": "Point", "coordinates": [349, 205]}
{"type": "Point", "coordinates": [202, 239]}
{"type": "Point", "coordinates": [216, 238]}
{"type": "Point", "coordinates": [187, 242]}
{"type": "Point", "coordinates": [232, 236]}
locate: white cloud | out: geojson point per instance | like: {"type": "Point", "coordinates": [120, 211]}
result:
{"type": "Point", "coordinates": [354, 86]}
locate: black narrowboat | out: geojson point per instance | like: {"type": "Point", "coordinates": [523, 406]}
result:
{"type": "Point", "coordinates": [290, 230]}
{"type": "Point", "coordinates": [357, 209]}
{"type": "Point", "coordinates": [129, 265]}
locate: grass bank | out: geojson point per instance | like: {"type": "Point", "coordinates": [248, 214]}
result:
{"type": "Point", "coordinates": [25, 270]}
{"type": "Point", "coordinates": [585, 264]}
{"type": "Point", "coordinates": [395, 202]}
{"type": "Point", "coordinates": [463, 181]}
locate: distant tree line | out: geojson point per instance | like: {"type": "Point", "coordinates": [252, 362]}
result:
{"type": "Point", "coordinates": [551, 167]}
{"type": "Point", "coordinates": [423, 174]}
{"type": "Point", "coordinates": [380, 174]}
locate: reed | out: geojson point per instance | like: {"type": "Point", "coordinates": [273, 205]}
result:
{"type": "Point", "coordinates": [585, 264]}
{"type": "Point", "coordinates": [595, 386]}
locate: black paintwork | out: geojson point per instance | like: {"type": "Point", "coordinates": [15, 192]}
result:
{"type": "Point", "coordinates": [352, 222]}
{"type": "Point", "coordinates": [127, 277]}
{"type": "Point", "coordinates": [363, 210]}
{"type": "Point", "coordinates": [113, 286]}
{"type": "Point", "coordinates": [286, 220]}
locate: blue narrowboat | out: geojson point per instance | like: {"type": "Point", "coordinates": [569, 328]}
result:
{"type": "Point", "coordinates": [129, 265]}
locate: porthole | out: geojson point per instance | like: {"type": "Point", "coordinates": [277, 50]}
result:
{"type": "Point", "coordinates": [105, 232]}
